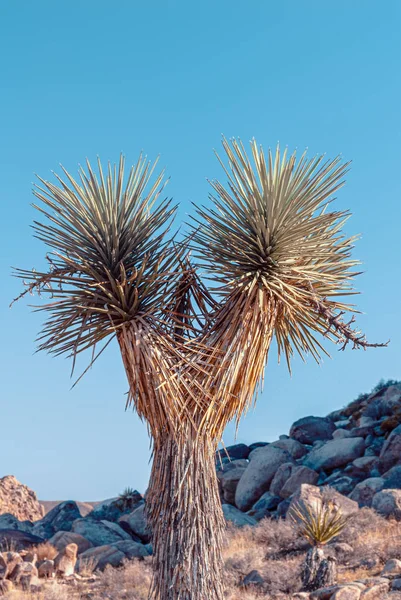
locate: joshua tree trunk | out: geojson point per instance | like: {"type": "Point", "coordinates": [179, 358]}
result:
{"type": "Point", "coordinates": [318, 571]}
{"type": "Point", "coordinates": [186, 519]}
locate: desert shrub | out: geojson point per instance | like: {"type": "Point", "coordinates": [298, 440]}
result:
{"type": "Point", "coordinates": [133, 578]}
{"type": "Point", "coordinates": [45, 551]}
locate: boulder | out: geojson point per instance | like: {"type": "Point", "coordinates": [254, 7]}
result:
{"type": "Point", "coordinates": [65, 561]}
{"type": "Point", "coordinates": [264, 506]}
{"type": "Point", "coordinates": [234, 451]}
{"type": "Point", "coordinates": [114, 508]}
{"type": "Point", "coordinates": [100, 558]}
{"type": "Point", "coordinates": [62, 538]}
{"type": "Point", "coordinates": [388, 503]}
{"type": "Point", "coordinates": [390, 454]}
{"type": "Point", "coordinates": [257, 445]}
{"type": "Point", "coordinates": [9, 521]}
{"type": "Point", "coordinates": [282, 508]}
{"type": "Point", "coordinates": [235, 516]}
{"type": "Point", "coordinates": [259, 474]}
{"type": "Point", "coordinates": [361, 467]}
{"type": "Point", "coordinates": [293, 447]}
{"type": "Point", "coordinates": [232, 464]}
{"type": "Point", "coordinates": [99, 533]}
{"type": "Point", "coordinates": [342, 484]}
{"type": "Point", "coordinates": [19, 540]}
{"type": "Point", "coordinates": [136, 524]}
{"type": "Point", "coordinates": [311, 429]}
{"type": "Point", "coordinates": [313, 497]}
{"type": "Point", "coordinates": [335, 453]}
{"type": "Point", "coordinates": [60, 518]}
{"type": "Point", "coordinates": [132, 549]}
{"type": "Point", "coordinates": [229, 481]}
{"type": "Point", "coordinates": [299, 476]}
{"type": "Point", "coordinates": [364, 491]}
{"type": "Point", "coordinates": [283, 473]}
{"type": "Point", "coordinates": [392, 478]}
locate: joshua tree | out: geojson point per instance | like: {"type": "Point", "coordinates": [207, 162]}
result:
{"type": "Point", "coordinates": [195, 357]}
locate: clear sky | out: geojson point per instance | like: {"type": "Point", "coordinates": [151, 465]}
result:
{"type": "Point", "coordinates": [85, 78]}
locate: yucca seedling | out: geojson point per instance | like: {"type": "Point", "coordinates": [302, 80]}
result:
{"type": "Point", "coordinates": [320, 522]}
{"type": "Point", "coordinates": [128, 498]}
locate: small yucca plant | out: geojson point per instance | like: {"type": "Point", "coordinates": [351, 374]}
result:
{"type": "Point", "coordinates": [319, 523]}
{"type": "Point", "coordinates": [128, 498]}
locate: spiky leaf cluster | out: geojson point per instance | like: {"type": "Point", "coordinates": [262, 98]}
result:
{"type": "Point", "coordinates": [110, 260]}
{"type": "Point", "coordinates": [318, 523]}
{"type": "Point", "coordinates": [270, 234]}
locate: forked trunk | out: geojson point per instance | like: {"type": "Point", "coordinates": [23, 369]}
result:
{"type": "Point", "coordinates": [185, 515]}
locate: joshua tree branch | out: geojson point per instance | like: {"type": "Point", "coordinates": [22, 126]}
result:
{"type": "Point", "coordinates": [344, 330]}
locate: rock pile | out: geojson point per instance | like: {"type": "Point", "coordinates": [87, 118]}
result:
{"type": "Point", "coordinates": [355, 451]}
{"type": "Point", "coordinates": [18, 500]}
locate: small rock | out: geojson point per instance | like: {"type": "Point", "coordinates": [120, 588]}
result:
{"type": "Point", "coordinates": [235, 516]}
{"type": "Point", "coordinates": [46, 569]}
{"type": "Point", "coordinates": [396, 585]}
{"type": "Point", "coordinates": [392, 567]}
{"type": "Point", "coordinates": [264, 506]}
{"type": "Point", "coordinates": [254, 578]}
{"type": "Point", "coordinates": [388, 503]}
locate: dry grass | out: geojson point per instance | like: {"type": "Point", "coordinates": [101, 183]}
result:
{"type": "Point", "coordinates": [45, 551]}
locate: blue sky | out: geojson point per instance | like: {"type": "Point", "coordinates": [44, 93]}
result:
{"type": "Point", "coordinates": [80, 79]}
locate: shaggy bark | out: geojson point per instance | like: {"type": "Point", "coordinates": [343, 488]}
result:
{"type": "Point", "coordinates": [186, 519]}
{"type": "Point", "coordinates": [318, 571]}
